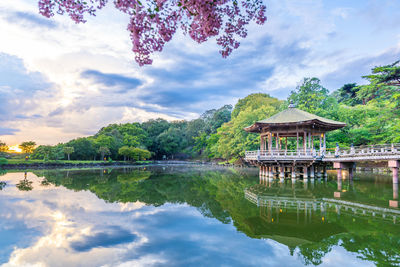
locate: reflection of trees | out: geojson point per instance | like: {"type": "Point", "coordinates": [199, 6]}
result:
{"type": "Point", "coordinates": [219, 194]}
{"type": "Point", "coordinates": [45, 182]}
{"type": "Point", "coordinates": [2, 185]}
{"type": "Point", "coordinates": [314, 252]}
{"type": "Point", "coordinates": [25, 185]}
{"type": "Point", "coordinates": [382, 249]}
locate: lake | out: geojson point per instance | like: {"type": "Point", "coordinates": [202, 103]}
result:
{"type": "Point", "coordinates": [184, 215]}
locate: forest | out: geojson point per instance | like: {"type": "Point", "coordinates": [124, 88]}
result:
{"type": "Point", "coordinates": [371, 112]}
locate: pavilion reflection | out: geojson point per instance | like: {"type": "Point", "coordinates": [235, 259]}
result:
{"type": "Point", "coordinates": [307, 202]}
{"type": "Point", "coordinates": [304, 216]}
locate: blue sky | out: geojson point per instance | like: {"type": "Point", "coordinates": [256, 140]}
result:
{"type": "Point", "coordinates": [59, 80]}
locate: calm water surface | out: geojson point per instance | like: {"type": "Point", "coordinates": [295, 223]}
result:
{"type": "Point", "coordinates": [194, 216]}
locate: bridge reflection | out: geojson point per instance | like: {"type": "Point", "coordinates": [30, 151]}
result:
{"type": "Point", "coordinates": [309, 201]}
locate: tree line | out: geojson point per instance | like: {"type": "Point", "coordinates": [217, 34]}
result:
{"type": "Point", "coordinates": [371, 112]}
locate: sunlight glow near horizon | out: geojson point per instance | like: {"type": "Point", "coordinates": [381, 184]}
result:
{"type": "Point", "coordinates": [15, 148]}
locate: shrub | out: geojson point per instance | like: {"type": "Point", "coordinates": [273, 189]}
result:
{"type": "Point", "coordinates": [3, 161]}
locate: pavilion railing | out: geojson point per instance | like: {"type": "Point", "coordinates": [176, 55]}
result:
{"type": "Point", "coordinates": [280, 154]}
{"type": "Point", "coordinates": [367, 151]}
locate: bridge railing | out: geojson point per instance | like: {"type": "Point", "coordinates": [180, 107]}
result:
{"type": "Point", "coordinates": [381, 150]}
{"type": "Point", "coordinates": [364, 151]}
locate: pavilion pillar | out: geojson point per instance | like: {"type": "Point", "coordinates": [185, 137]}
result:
{"type": "Point", "coordinates": [261, 142]}
{"type": "Point", "coordinates": [281, 173]}
{"type": "Point", "coordinates": [395, 164]}
{"type": "Point", "coordinates": [270, 173]}
{"type": "Point", "coordinates": [305, 173]}
{"type": "Point", "coordinates": [286, 144]}
{"type": "Point", "coordinates": [351, 173]}
{"type": "Point", "coordinates": [339, 182]}
{"type": "Point", "coordinates": [265, 142]}
{"type": "Point", "coordinates": [277, 141]}
{"type": "Point", "coordinates": [312, 141]}
{"type": "Point", "coordinates": [318, 171]}
{"type": "Point", "coordinates": [297, 144]}
{"type": "Point", "coordinates": [312, 172]}
{"type": "Point", "coordinates": [324, 143]}
{"type": "Point", "coordinates": [395, 202]}
{"type": "Point", "coordinates": [294, 172]}
{"type": "Point", "coordinates": [269, 142]}
{"type": "Point", "coordinates": [305, 143]}
{"type": "Point", "coordinates": [320, 144]}
{"type": "Point", "coordinates": [339, 173]}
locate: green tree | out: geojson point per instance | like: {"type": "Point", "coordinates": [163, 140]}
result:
{"type": "Point", "coordinates": [3, 161]}
{"type": "Point", "coordinates": [84, 148]}
{"type": "Point", "coordinates": [347, 94]}
{"type": "Point", "coordinates": [309, 96]}
{"type": "Point", "coordinates": [233, 141]}
{"type": "Point", "coordinates": [254, 101]}
{"type": "Point", "coordinates": [3, 147]}
{"type": "Point", "coordinates": [171, 141]}
{"type": "Point", "coordinates": [124, 151]}
{"type": "Point", "coordinates": [139, 154]}
{"type": "Point", "coordinates": [103, 151]}
{"type": "Point", "coordinates": [220, 116]}
{"type": "Point", "coordinates": [68, 150]}
{"type": "Point", "coordinates": [27, 147]}
{"type": "Point", "coordinates": [384, 84]}
{"type": "Point", "coordinates": [46, 152]}
{"type": "Point", "coordinates": [57, 152]}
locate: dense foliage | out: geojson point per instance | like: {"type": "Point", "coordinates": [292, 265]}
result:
{"type": "Point", "coordinates": [371, 112]}
{"type": "Point", "coordinates": [27, 147]}
{"type": "Point", "coordinates": [3, 147]}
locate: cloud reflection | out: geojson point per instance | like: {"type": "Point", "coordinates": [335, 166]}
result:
{"type": "Point", "coordinates": [61, 227]}
{"type": "Point", "coordinates": [111, 236]}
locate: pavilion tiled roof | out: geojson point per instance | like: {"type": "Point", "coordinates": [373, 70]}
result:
{"type": "Point", "coordinates": [295, 116]}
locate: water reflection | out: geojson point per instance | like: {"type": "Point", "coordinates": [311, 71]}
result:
{"type": "Point", "coordinates": [194, 216]}
{"type": "Point", "coordinates": [306, 217]}
{"type": "Point", "coordinates": [25, 184]}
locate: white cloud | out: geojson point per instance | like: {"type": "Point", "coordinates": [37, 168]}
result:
{"type": "Point", "coordinates": [300, 39]}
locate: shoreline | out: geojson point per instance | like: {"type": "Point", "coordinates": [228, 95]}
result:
{"type": "Point", "coordinates": [70, 165]}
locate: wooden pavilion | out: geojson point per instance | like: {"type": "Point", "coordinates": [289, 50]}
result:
{"type": "Point", "coordinates": [295, 123]}
{"type": "Point", "coordinates": [273, 157]}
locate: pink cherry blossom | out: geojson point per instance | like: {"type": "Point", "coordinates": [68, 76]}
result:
{"type": "Point", "coordinates": [154, 22]}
